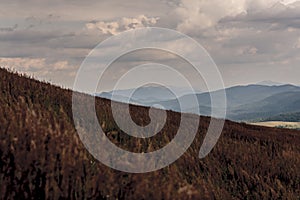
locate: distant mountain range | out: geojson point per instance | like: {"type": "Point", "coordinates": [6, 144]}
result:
{"type": "Point", "coordinates": [286, 117]}
{"type": "Point", "coordinates": [269, 83]}
{"type": "Point", "coordinates": [244, 103]}
{"type": "Point", "coordinates": [146, 95]}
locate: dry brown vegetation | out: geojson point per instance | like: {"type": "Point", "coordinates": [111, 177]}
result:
{"type": "Point", "coordinates": [41, 155]}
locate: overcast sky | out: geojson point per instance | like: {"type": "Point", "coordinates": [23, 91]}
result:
{"type": "Point", "coordinates": [249, 40]}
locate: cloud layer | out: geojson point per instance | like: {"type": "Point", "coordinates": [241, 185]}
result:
{"type": "Point", "coordinates": [250, 40]}
{"type": "Point", "coordinates": [123, 24]}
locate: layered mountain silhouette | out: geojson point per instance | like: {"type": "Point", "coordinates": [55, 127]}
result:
{"type": "Point", "coordinates": [244, 103]}
{"type": "Point", "coordinates": [269, 83]}
{"type": "Point", "coordinates": [42, 156]}
{"type": "Point", "coordinates": [146, 95]}
{"type": "Point", "coordinates": [286, 117]}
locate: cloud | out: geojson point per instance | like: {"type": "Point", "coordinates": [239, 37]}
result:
{"type": "Point", "coordinates": [9, 29]}
{"type": "Point", "coordinates": [248, 50]}
{"type": "Point", "coordinates": [297, 45]}
{"type": "Point", "coordinates": [287, 2]}
{"type": "Point", "coordinates": [123, 24]}
{"type": "Point", "coordinates": [62, 65]}
{"type": "Point", "coordinates": [248, 33]}
{"type": "Point", "coordinates": [34, 65]}
{"type": "Point", "coordinates": [244, 32]}
{"type": "Point", "coordinates": [34, 21]}
{"type": "Point", "coordinates": [278, 16]}
{"type": "Point", "coordinates": [84, 11]}
{"type": "Point", "coordinates": [24, 64]}
{"type": "Point", "coordinates": [197, 15]}
{"type": "Point", "coordinates": [105, 27]}
{"type": "Point", "coordinates": [58, 72]}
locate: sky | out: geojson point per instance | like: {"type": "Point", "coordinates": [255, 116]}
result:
{"type": "Point", "coordinates": [249, 40]}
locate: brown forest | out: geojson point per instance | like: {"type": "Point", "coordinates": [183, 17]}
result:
{"type": "Point", "coordinates": [42, 157]}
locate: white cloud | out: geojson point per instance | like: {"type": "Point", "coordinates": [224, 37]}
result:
{"type": "Point", "coordinates": [140, 21]}
{"type": "Point", "coordinates": [32, 65]}
{"type": "Point", "coordinates": [198, 16]}
{"type": "Point", "coordinates": [256, 5]}
{"type": "Point", "coordinates": [23, 64]}
{"type": "Point", "coordinates": [247, 50]}
{"type": "Point", "coordinates": [297, 45]}
{"type": "Point", "coordinates": [58, 72]}
{"type": "Point", "coordinates": [246, 33]}
{"type": "Point", "coordinates": [104, 27]}
{"type": "Point", "coordinates": [125, 23]}
{"type": "Point", "coordinates": [62, 65]}
{"type": "Point", "coordinates": [287, 2]}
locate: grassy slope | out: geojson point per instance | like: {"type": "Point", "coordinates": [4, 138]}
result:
{"type": "Point", "coordinates": [42, 156]}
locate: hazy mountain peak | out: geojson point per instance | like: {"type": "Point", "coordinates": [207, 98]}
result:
{"type": "Point", "coordinates": [269, 83]}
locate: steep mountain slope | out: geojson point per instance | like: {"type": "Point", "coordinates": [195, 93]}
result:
{"type": "Point", "coordinates": [41, 155]}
